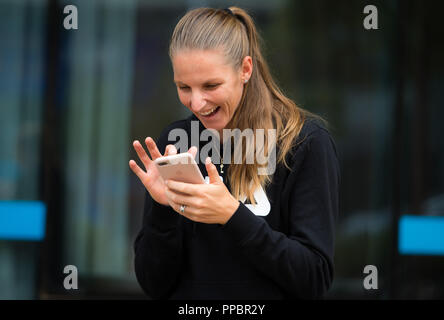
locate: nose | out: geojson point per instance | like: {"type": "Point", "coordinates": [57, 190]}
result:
{"type": "Point", "coordinates": [197, 101]}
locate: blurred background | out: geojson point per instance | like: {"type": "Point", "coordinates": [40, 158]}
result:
{"type": "Point", "coordinates": [72, 102]}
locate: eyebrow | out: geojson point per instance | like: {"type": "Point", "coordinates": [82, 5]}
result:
{"type": "Point", "coordinates": [206, 82]}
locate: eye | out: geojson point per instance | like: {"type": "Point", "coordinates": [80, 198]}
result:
{"type": "Point", "coordinates": [184, 88]}
{"type": "Point", "coordinates": [212, 86]}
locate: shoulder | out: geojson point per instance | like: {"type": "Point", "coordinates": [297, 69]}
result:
{"type": "Point", "coordinates": [313, 131]}
{"type": "Point", "coordinates": [314, 140]}
{"type": "Point", "coordinates": [312, 128]}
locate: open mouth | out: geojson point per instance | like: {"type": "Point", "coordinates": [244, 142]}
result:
{"type": "Point", "coordinates": [211, 113]}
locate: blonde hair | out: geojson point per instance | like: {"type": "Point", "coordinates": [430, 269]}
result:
{"type": "Point", "coordinates": [262, 106]}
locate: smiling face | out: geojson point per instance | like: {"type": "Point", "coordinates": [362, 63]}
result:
{"type": "Point", "coordinates": [209, 86]}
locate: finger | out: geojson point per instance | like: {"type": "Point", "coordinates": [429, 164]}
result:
{"type": "Point", "coordinates": [212, 171]}
{"type": "Point", "coordinates": [188, 212]}
{"type": "Point", "coordinates": [182, 187]}
{"type": "Point", "coordinates": [170, 150]}
{"type": "Point", "coordinates": [141, 153]}
{"type": "Point", "coordinates": [175, 206]}
{"type": "Point", "coordinates": [152, 148]}
{"type": "Point", "coordinates": [179, 198]}
{"type": "Point", "coordinates": [137, 170]}
{"type": "Point", "coordinates": [193, 151]}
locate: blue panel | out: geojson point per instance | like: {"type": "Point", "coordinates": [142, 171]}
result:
{"type": "Point", "coordinates": [22, 220]}
{"type": "Point", "coordinates": [421, 235]}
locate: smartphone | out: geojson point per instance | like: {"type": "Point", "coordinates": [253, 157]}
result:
{"type": "Point", "coordinates": [179, 167]}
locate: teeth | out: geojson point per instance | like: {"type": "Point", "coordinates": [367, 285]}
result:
{"type": "Point", "coordinates": [207, 113]}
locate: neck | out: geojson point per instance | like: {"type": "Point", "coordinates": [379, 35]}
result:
{"type": "Point", "coordinates": [222, 138]}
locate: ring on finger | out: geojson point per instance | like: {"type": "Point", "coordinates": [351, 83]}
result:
{"type": "Point", "coordinates": [182, 208]}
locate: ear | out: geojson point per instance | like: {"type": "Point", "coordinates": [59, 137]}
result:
{"type": "Point", "coordinates": [247, 68]}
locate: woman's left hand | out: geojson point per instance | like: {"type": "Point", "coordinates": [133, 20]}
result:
{"type": "Point", "coordinates": [206, 203]}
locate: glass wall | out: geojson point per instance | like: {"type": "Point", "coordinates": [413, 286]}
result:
{"type": "Point", "coordinates": [72, 102]}
{"type": "Point", "coordinates": [22, 34]}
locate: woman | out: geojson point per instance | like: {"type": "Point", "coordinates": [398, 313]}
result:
{"type": "Point", "coordinates": [247, 235]}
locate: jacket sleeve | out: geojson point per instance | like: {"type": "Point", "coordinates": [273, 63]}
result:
{"type": "Point", "coordinates": [300, 262]}
{"type": "Point", "coordinates": [158, 246]}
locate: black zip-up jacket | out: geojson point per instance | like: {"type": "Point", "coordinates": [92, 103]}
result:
{"type": "Point", "coordinates": [285, 254]}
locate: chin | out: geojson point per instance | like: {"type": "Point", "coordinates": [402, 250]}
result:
{"type": "Point", "coordinates": [219, 125]}
{"type": "Point", "coordinates": [213, 127]}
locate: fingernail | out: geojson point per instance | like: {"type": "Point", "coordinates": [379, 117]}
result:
{"type": "Point", "coordinates": [208, 160]}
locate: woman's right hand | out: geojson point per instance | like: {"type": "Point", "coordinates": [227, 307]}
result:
{"type": "Point", "coordinates": [151, 178]}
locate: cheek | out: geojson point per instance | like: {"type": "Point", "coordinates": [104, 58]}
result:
{"type": "Point", "coordinates": [184, 99]}
{"type": "Point", "coordinates": [236, 97]}
{"type": "Point", "coordinates": [228, 96]}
